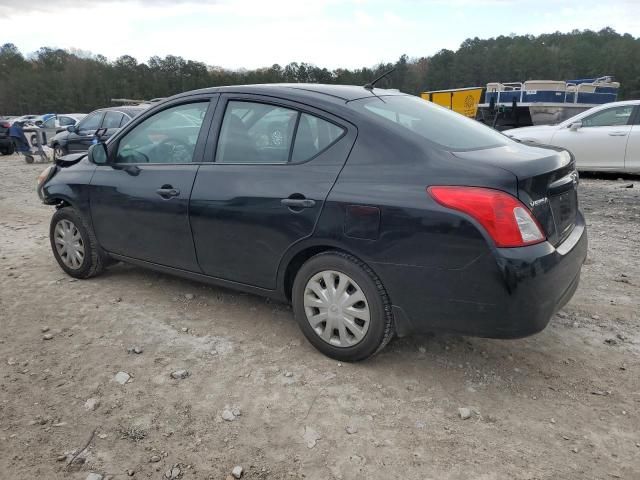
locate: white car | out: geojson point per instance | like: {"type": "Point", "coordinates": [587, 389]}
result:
{"type": "Point", "coordinates": [606, 137]}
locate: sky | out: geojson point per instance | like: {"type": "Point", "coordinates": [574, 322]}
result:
{"type": "Point", "coordinates": [329, 33]}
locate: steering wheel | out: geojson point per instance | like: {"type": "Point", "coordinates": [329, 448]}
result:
{"type": "Point", "coordinates": [177, 150]}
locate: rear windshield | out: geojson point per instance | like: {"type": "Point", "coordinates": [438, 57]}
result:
{"type": "Point", "coordinates": [446, 129]}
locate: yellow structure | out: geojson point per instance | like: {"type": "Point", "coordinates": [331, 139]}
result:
{"type": "Point", "coordinates": [461, 100]}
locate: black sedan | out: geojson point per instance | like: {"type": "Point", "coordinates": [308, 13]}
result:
{"type": "Point", "coordinates": [373, 212]}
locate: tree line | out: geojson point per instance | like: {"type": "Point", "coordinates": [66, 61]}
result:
{"type": "Point", "coordinates": [56, 80]}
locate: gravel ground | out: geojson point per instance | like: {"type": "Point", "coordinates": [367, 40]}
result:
{"type": "Point", "coordinates": [563, 404]}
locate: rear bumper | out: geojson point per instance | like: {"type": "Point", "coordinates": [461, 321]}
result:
{"type": "Point", "coordinates": [511, 293]}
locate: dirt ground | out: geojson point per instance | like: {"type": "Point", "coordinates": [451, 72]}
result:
{"type": "Point", "coordinates": [564, 404]}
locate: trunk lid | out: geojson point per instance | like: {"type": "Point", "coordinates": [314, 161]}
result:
{"type": "Point", "coordinates": [547, 183]}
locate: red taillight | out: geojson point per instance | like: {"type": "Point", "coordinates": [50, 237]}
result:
{"type": "Point", "coordinates": [5, 124]}
{"type": "Point", "coordinates": [504, 217]}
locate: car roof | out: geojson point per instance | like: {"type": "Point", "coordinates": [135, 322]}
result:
{"type": "Point", "coordinates": [336, 93]}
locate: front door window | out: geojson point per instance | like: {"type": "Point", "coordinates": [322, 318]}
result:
{"type": "Point", "coordinates": [611, 117]}
{"type": "Point", "coordinates": [91, 123]}
{"type": "Point", "coordinates": [169, 136]}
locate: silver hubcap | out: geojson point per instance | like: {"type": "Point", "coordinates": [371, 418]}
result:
{"type": "Point", "coordinates": [69, 244]}
{"type": "Point", "coordinates": [336, 308]}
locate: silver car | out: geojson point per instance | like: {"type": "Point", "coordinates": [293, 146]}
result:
{"type": "Point", "coordinates": [54, 125]}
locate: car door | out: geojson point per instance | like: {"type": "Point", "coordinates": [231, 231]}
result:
{"type": "Point", "coordinates": [81, 138]}
{"type": "Point", "coordinates": [274, 163]}
{"type": "Point", "coordinates": [139, 200]}
{"type": "Point", "coordinates": [601, 141]}
{"type": "Point", "coordinates": [632, 156]}
{"type": "Point", "coordinates": [48, 129]}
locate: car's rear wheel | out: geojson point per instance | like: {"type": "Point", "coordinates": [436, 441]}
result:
{"type": "Point", "coordinates": [342, 307]}
{"type": "Point", "coordinates": [74, 245]}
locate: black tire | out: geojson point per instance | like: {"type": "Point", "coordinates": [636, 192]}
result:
{"type": "Point", "coordinates": [381, 327]}
{"type": "Point", "coordinates": [58, 151]}
{"type": "Point", "coordinates": [28, 158]}
{"type": "Point", "coordinates": [93, 262]}
{"type": "Point", "coordinates": [7, 150]}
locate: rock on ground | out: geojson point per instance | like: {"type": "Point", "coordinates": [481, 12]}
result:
{"type": "Point", "coordinates": [91, 404]}
{"type": "Point", "coordinates": [464, 413]}
{"type": "Point", "coordinates": [237, 471]}
{"type": "Point", "coordinates": [310, 436]}
{"type": "Point", "coordinates": [179, 374]}
{"type": "Point", "coordinates": [122, 377]}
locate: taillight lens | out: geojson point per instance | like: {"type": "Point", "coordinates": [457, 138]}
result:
{"type": "Point", "coordinates": [5, 124]}
{"type": "Point", "coordinates": [504, 217]}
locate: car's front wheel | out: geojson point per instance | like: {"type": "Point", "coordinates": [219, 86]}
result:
{"type": "Point", "coordinates": [74, 245]}
{"type": "Point", "coordinates": [342, 307]}
{"type": "Point", "coordinates": [58, 151]}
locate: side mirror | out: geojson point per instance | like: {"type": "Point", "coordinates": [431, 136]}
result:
{"type": "Point", "coordinates": [98, 154]}
{"type": "Point", "coordinates": [71, 128]}
{"type": "Point", "coordinates": [575, 126]}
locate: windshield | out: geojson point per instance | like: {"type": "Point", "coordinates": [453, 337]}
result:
{"type": "Point", "coordinates": [446, 129]}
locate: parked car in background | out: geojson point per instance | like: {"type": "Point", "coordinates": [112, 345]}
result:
{"type": "Point", "coordinates": [29, 119]}
{"type": "Point", "coordinates": [606, 137]}
{"type": "Point", "coordinates": [79, 137]}
{"type": "Point", "coordinates": [56, 124]}
{"type": "Point", "coordinates": [371, 211]}
{"type": "Point", "coordinates": [6, 144]}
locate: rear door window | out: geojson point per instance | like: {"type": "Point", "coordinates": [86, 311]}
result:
{"type": "Point", "coordinates": [255, 133]}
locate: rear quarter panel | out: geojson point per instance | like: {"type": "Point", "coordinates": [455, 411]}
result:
{"type": "Point", "coordinates": [423, 250]}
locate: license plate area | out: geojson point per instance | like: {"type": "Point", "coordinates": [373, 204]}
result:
{"type": "Point", "coordinates": [564, 207]}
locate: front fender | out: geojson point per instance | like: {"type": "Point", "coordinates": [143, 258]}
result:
{"type": "Point", "coordinates": [70, 184]}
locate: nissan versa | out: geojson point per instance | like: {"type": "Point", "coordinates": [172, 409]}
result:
{"type": "Point", "coordinates": [373, 212]}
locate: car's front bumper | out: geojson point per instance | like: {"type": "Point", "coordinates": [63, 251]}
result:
{"type": "Point", "coordinates": [509, 294]}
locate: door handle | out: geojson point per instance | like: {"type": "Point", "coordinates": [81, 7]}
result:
{"type": "Point", "coordinates": [168, 192]}
{"type": "Point", "coordinates": [618, 134]}
{"type": "Point", "coordinates": [298, 202]}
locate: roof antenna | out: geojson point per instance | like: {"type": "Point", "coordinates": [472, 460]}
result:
{"type": "Point", "coordinates": [370, 85]}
